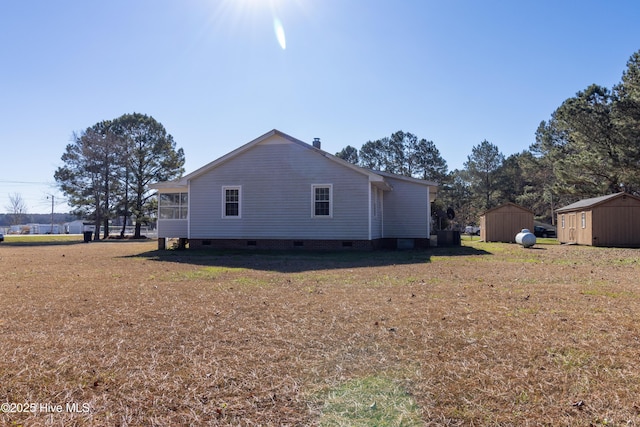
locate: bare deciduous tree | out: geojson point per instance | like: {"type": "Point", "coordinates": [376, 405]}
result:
{"type": "Point", "coordinates": [17, 208]}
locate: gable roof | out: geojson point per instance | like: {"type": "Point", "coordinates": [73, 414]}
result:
{"type": "Point", "coordinates": [594, 201]}
{"type": "Point", "coordinates": [505, 205]}
{"type": "Point", "coordinates": [375, 177]}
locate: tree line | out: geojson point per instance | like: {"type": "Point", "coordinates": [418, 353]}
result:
{"type": "Point", "coordinates": [108, 167]}
{"type": "Point", "coordinates": [589, 147]}
{"type": "Point", "coordinates": [9, 219]}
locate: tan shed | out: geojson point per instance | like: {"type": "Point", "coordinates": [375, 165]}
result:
{"type": "Point", "coordinates": [612, 220]}
{"type": "Point", "coordinates": [502, 223]}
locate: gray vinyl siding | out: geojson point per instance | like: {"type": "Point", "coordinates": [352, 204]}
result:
{"type": "Point", "coordinates": [276, 199]}
{"type": "Point", "coordinates": [406, 210]}
{"type": "Point", "coordinates": [173, 228]}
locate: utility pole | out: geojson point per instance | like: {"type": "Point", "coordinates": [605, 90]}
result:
{"type": "Point", "coordinates": [52, 199]}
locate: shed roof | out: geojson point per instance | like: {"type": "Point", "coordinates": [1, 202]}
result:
{"type": "Point", "coordinates": [593, 201]}
{"type": "Point", "coordinates": [507, 205]}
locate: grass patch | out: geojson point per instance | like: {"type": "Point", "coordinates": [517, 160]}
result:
{"type": "Point", "coordinates": [370, 401]}
{"type": "Point", "coordinates": [570, 358]}
{"type": "Point", "coordinates": [211, 272]}
{"type": "Point", "coordinates": [547, 241]}
{"type": "Point", "coordinates": [605, 293]}
{"type": "Point", "coordinates": [491, 247]}
{"type": "Point", "coordinates": [41, 239]}
{"type": "Point", "coordinates": [630, 261]}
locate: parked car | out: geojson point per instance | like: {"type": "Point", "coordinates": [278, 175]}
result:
{"type": "Point", "coordinates": [1, 237]}
{"type": "Point", "coordinates": [472, 229]}
{"type": "Point", "coordinates": [543, 232]}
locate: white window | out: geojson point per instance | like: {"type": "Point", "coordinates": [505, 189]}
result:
{"type": "Point", "coordinates": [322, 200]}
{"type": "Point", "coordinates": [232, 202]}
{"type": "Point", "coordinates": [172, 205]}
{"type": "Point", "coordinates": [562, 219]}
{"type": "Point", "coordinates": [583, 218]}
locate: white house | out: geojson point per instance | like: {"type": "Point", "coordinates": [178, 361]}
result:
{"type": "Point", "coordinates": [43, 228]}
{"type": "Point", "coordinates": [74, 227]}
{"type": "Point", "coordinates": [279, 192]}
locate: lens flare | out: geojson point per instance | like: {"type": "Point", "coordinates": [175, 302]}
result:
{"type": "Point", "coordinates": [279, 30]}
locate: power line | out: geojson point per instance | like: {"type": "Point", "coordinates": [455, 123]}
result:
{"type": "Point", "coordinates": [27, 182]}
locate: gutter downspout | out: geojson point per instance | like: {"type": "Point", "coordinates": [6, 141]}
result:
{"type": "Point", "coordinates": [189, 209]}
{"type": "Point", "coordinates": [428, 212]}
{"type": "Point", "coordinates": [370, 213]}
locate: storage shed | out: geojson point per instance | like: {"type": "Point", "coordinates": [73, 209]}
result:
{"type": "Point", "coordinates": [612, 220]}
{"type": "Point", "coordinates": [502, 223]}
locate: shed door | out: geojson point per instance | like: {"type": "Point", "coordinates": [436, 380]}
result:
{"type": "Point", "coordinates": [572, 217]}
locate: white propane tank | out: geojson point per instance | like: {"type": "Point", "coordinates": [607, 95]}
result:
{"type": "Point", "coordinates": [526, 238]}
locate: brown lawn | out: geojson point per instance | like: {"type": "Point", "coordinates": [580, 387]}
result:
{"type": "Point", "coordinates": [118, 334]}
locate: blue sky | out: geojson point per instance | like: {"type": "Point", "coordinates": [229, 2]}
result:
{"type": "Point", "coordinates": [216, 76]}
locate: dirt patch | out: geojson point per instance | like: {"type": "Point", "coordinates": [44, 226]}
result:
{"type": "Point", "coordinates": [487, 334]}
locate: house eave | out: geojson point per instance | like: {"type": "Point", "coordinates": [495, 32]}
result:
{"type": "Point", "coordinates": [169, 185]}
{"type": "Point", "coordinates": [380, 183]}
